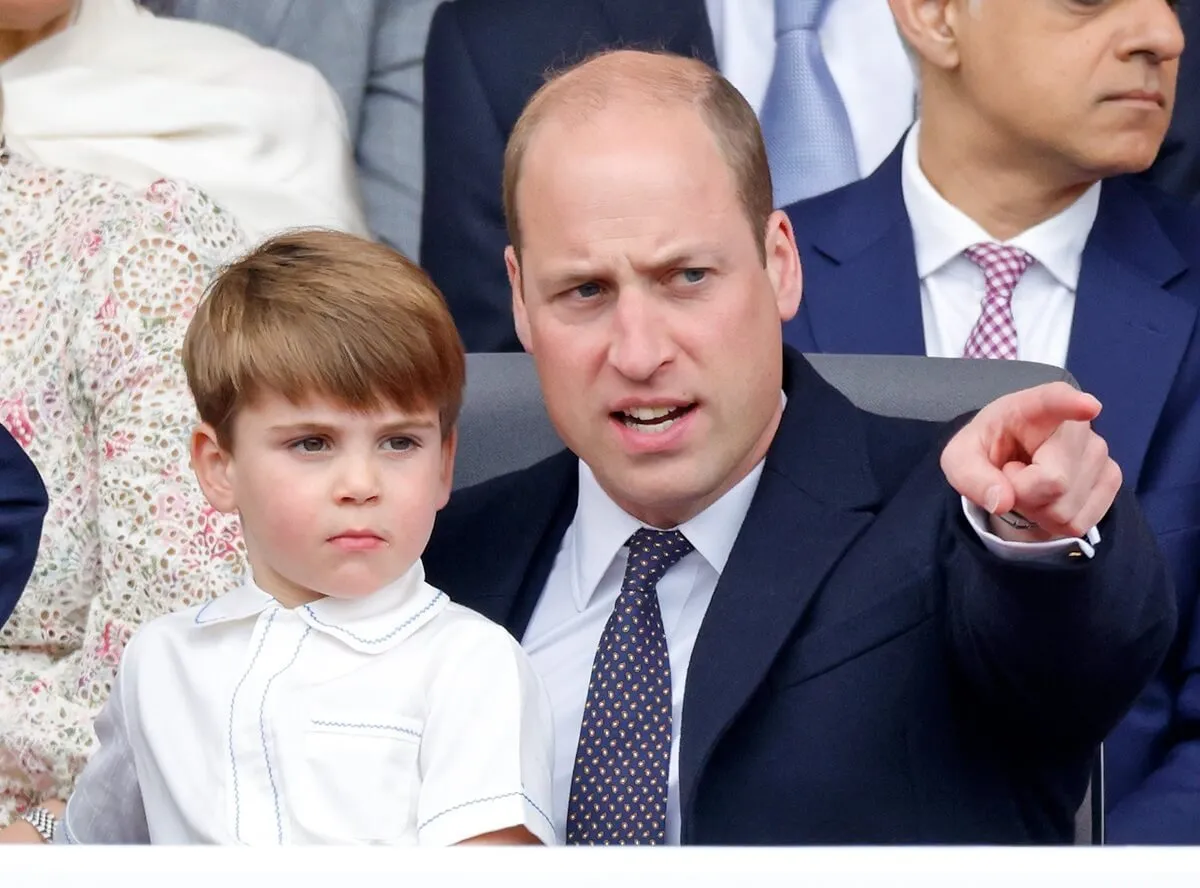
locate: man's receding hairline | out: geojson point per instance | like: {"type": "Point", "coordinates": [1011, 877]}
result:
{"type": "Point", "coordinates": [582, 90]}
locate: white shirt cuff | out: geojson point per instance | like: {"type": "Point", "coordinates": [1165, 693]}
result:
{"type": "Point", "coordinates": [1048, 552]}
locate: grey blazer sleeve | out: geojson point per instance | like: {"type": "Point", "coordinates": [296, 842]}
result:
{"type": "Point", "coordinates": [388, 146]}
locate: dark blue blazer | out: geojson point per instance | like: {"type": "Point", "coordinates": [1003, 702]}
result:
{"type": "Point", "coordinates": [867, 672]}
{"type": "Point", "coordinates": [22, 508]}
{"type": "Point", "coordinates": [1135, 344]}
{"type": "Point", "coordinates": [483, 61]}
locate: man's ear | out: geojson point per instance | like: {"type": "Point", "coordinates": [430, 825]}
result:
{"type": "Point", "coordinates": [783, 264]}
{"type": "Point", "coordinates": [449, 449]}
{"type": "Point", "coordinates": [520, 314]}
{"type": "Point", "coordinates": [930, 28]}
{"type": "Point", "coordinates": [213, 466]}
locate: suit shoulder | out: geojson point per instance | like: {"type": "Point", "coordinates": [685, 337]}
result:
{"type": "Point", "coordinates": [500, 499]}
{"type": "Point", "coordinates": [897, 448]}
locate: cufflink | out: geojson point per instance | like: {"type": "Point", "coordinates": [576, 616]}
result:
{"type": "Point", "coordinates": [1016, 520]}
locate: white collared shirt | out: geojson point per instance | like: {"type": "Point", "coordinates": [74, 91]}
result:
{"type": "Point", "coordinates": [585, 580]}
{"type": "Point", "coordinates": [399, 718]}
{"type": "Point", "coordinates": [953, 287]}
{"type": "Point", "coordinates": [864, 53]}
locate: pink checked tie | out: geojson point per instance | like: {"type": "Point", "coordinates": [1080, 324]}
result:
{"type": "Point", "coordinates": [995, 334]}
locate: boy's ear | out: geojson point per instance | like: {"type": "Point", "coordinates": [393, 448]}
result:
{"type": "Point", "coordinates": [213, 468]}
{"type": "Point", "coordinates": [449, 448]}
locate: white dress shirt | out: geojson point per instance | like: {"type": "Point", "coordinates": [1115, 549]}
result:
{"type": "Point", "coordinates": [864, 54]}
{"type": "Point", "coordinates": [953, 287]}
{"type": "Point", "coordinates": [585, 580]}
{"type": "Point", "coordinates": [399, 718]}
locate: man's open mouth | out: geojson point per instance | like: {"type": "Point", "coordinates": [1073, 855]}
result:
{"type": "Point", "coordinates": [652, 420]}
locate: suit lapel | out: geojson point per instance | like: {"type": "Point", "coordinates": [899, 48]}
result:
{"type": "Point", "coordinates": [1129, 331]}
{"type": "Point", "coordinates": [680, 26]}
{"type": "Point", "coordinates": [812, 502]}
{"type": "Point", "coordinates": [862, 294]}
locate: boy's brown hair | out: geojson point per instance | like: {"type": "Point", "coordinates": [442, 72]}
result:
{"type": "Point", "coordinates": [321, 313]}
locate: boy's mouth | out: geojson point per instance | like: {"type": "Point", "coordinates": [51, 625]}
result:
{"type": "Point", "coordinates": [358, 540]}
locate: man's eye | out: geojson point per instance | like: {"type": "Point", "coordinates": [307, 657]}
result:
{"type": "Point", "coordinates": [693, 275]}
{"type": "Point", "coordinates": [590, 290]}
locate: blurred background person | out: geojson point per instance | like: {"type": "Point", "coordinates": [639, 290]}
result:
{"type": "Point", "coordinates": [97, 284]}
{"type": "Point", "coordinates": [371, 52]}
{"type": "Point", "coordinates": [105, 87]}
{"type": "Point", "coordinates": [828, 79]}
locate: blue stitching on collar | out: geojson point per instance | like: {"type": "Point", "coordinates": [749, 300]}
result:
{"type": "Point", "coordinates": [381, 638]}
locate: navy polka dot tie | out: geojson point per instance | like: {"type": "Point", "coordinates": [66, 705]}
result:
{"type": "Point", "coordinates": [619, 785]}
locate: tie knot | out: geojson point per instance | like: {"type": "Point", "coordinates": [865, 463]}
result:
{"type": "Point", "coordinates": [1002, 266]}
{"type": "Point", "coordinates": [652, 553]}
{"type": "Point", "coordinates": [798, 15]}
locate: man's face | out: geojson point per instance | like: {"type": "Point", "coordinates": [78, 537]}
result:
{"type": "Point", "coordinates": [1083, 84]}
{"type": "Point", "coordinates": [642, 295]}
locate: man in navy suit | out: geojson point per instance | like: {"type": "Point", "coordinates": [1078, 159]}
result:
{"type": "Point", "coordinates": [761, 614]}
{"type": "Point", "coordinates": [1031, 113]}
{"type": "Point", "coordinates": [485, 58]}
{"type": "Point", "coordinates": [22, 508]}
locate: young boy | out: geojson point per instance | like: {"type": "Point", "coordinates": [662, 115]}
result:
{"type": "Point", "coordinates": [334, 696]}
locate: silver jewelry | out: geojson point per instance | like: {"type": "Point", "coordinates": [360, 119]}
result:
{"type": "Point", "coordinates": [43, 821]}
{"type": "Point", "coordinates": [1016, 520]}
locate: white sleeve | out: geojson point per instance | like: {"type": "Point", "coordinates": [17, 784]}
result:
{"type": "Point", "coordinates": [106, 805]}
{"type": "Point", "coordinates": [1048, 553]}
{"type": "Point", "coordinates": [488, 745]}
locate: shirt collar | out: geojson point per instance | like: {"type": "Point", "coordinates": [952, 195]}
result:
{"type": "Point", "coordinates": [941, 231]}
{"type": "Point", "coordinates": [601, 528]}
{"type": "Point", "coordinates": [371, 624]}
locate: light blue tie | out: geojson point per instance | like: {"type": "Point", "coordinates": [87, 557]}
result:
{"type": "Point", "coordinates": [809, 142]}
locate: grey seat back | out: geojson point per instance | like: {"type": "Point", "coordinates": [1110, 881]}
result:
{"type": "Point", "coordinates": [504, 426]}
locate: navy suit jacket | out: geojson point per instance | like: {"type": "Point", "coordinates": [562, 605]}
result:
{"type": "Point", "coordinates": [483, 61]}
{"type": "Point", "coordinates": [866, 671]}
{"type": "Point", "coordinates": [1135, 344]}
{"type": "Point", "coordinates": [22, 508]}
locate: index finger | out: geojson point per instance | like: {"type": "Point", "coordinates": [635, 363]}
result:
{"type": "Point", "coordinates": [1032, 415]}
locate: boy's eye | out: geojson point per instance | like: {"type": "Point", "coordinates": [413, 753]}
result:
{"type": "Point", "coordinates": [310, 445]}
{"type": "Point", "coordinates": [399, 444]}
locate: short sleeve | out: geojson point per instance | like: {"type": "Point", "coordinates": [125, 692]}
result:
{"type": "Point", "coordinates": [106, 807]}
{"type": "Point", "coordinates": [487, 748]}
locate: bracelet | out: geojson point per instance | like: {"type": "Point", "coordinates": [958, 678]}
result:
{"type": "Point", "coordinates": [43, 821]}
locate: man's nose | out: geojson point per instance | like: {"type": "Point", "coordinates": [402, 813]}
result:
{"type": "Point", "coordinates": [639, 344]}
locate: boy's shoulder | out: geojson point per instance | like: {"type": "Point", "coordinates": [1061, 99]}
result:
{"type": "Point", "coordinates": [173, 627]}
{"type": "Point", "coordinates": [460, 638]}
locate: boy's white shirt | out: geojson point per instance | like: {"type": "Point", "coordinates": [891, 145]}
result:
{"type": "Point", "coordinates": [399, 718]}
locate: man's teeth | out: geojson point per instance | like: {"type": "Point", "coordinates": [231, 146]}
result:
{"type": "Point", "coordinates": [651, 420]}
{"type": "Point", "coordinates": [646, 414]}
